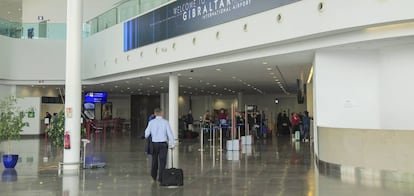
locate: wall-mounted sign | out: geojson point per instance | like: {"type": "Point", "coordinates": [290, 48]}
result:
{"type": "Point", "coordinates": [185, 16]}
{"type": "Point", "coordinates": [96, 97]}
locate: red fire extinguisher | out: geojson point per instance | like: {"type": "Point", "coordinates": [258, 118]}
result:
{"type": "Point", "coordinates": [66, 140]}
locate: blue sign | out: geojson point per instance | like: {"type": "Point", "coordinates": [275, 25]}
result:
{"type": "Point", "coordinates": [96, 97]}
{"type": "Point", "coordinates": [185, 16]}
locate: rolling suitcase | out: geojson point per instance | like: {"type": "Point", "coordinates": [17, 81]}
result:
{"type": "Point", "coordinates": [172, 176]}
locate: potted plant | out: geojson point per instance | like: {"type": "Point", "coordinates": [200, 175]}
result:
{"type": "Point", "coordinates": [11, 124]}
{"type": "Point", "coordinates": [56, 129]}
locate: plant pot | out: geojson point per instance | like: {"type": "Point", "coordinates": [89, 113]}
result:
{"type": "Point", "coordinates": [10, 160]}
{"type": "Point", "coordinates": [9, 175]}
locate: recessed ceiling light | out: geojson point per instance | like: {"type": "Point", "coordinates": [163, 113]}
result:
{"type": "Point", "coordinates": [161, 81]}
{"type": "Point", "coordinates": [128, 88]}
{"type": "Point", "coordinates": [268, 69]}
{"type": "Point", "coordinates": [264, 63]}
{"type": "Point", "coordinates": [234, 77]}
{"type": "Point", "coordinates": [274, 76]}
{"type": "Point", "coordinates": [214, 85]}
{"type": "Point", "coordinates": [152, 86]}
{"type": "Point", "coordinates": [190, 78]}
{"type": "Point", "coordinates": [162, 87]}
{"type": "Point", "coordinates": [218, 69]}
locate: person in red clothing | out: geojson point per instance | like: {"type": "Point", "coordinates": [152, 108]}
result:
{"type": "Point", "coordinates": [222, 117]}
{"type": "Point", "coordinates": [295, 122]}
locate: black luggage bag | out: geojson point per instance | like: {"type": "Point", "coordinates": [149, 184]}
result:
{"type": "Point", "coordinates": [172, 176]}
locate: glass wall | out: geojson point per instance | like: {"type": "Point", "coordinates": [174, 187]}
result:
{"type": "Point", "coordinates": [118, 14]}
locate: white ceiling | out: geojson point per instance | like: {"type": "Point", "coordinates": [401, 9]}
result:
{"type": "Point", "coordinates": [270, 75]}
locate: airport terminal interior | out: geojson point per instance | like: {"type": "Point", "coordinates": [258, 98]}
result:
{"type": "Point", "coordinates": [263, 97]}
{"type": "Point", "coordinates": [271, 166]}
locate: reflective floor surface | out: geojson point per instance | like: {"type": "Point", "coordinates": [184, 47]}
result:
{"type": "Point", "coordinates": [272, 166]}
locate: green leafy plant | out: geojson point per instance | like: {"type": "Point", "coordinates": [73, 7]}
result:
{"type": "Point", "coordinates": [57, 129]}
{"type": "Point", "coordinates": [11, 120]}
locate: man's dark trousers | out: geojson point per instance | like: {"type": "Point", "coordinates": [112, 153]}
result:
{"type": "Point", "coordinates": [159, 153]}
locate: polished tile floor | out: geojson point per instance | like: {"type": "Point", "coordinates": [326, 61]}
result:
{"type": "Point", "coordinates": [272, 166]}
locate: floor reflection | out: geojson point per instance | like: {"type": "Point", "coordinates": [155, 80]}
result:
{"type": "Point", "coordinates": [272, 166]}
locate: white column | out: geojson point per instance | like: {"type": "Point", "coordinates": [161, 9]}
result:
{"type": "Point", "coordinates": [70, 185]}
{"type": "Point", "coordinates": [173, 104]}
{"type": "Point", "coordinates": [173, 114]}
{"type": "Point", "coordinates": [73, 82]}
{"type": "Point", "coordinates": [164, 104]}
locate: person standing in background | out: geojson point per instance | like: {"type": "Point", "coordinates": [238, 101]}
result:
{"type": "Point", "coordinates": [190, 121]}
{"type": "Point", "coordinates": [160, 131]}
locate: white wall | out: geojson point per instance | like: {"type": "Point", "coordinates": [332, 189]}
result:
{"type": "Point", "coordinates": [6, 91]}
{"type": "Point", "coordinates": [32, 59]}
{"type": "Point", "coordinates": [396, 81]}
{"type": "Point", "coordinates": [347, 88]}
{"type": "Point", "coordinates": [34, 123]}
{"type": "Point", "coordinates": [104, 51]}
{"type": "Point", "coordinates": [52, 10]}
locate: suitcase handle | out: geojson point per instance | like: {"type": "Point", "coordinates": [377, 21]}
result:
{"type": "Point", "coordinates": [172, 158]}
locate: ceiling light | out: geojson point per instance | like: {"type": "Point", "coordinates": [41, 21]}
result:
{"type": "Point", "coordinates": [264, 63]}
{"type": "Point", "coordinates": [218, 69]}
{"type": "Point", "coordinates": [128, 88]}
{"type": "Point", "coordinates": [161, 81]}
{"type": "Point", "coordinates": [116, 86]}
{"type": "Point", "coordinates": [268, 69]}
{"type": "Point", "coordinates": [310, 75]}
{"type": "Point", "coordinates": [190, 78]}
{"type": "Point", "coordinates": [234, 77]}
{"type": "Point", "coordinates": [148, 78]}
{"type": "Point", "coordinates": [272, 73]}
{"type": "Point", "coordinates": [214, 85]}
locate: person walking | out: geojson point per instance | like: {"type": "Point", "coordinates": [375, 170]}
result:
{"type": "Point", "coordinates": [161, 132]}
